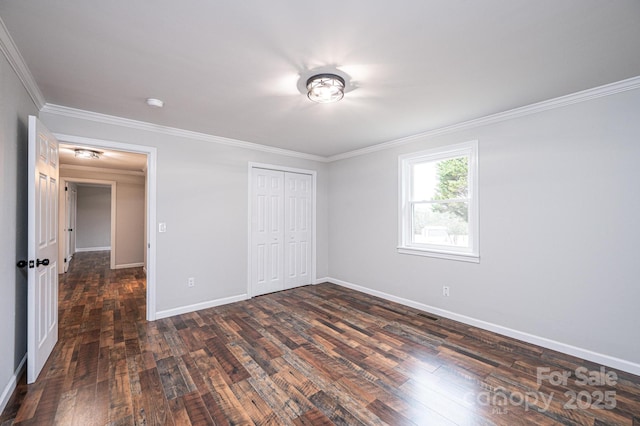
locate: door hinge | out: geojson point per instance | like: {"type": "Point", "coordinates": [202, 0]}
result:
{"type": "Point", "coordinates": [66, 189]}
{"type": "Point", "coordinates": [65, 260]}
{"type": "Point", "coordinates": [32, 264]}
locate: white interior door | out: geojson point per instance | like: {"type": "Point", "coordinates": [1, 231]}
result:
{"type": "Point", "coordinates": [298, 222]}
{"type": "Point", "coordinates": [267, 231]}
{"type": "Point", "coordinates": [72, 209]}
{"type": "Point", "coordinates": [66, 246]}
{"type": "Point", "coordinates": [42, 294]}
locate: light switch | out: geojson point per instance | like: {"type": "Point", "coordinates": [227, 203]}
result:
{"type": "Point", "coordinates": [162, 227]}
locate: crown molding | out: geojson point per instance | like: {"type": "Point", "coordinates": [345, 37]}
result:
{"type": "Point", "coordinates": [172, 131]}
{"type": "Point", "coordinates": [15, 59]}
{"type": "Point", "coordinates": [102, 170]}
{"type": "Point", "coordinates": [562, 101]}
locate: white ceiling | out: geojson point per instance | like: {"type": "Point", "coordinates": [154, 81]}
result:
{"type": "Point", "coordinates": [109, 159]}
{"type": "Point", "coordinates": [236, 69]}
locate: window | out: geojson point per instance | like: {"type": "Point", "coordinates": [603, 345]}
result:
{"type": "Point", "coordinates": [439, 203]}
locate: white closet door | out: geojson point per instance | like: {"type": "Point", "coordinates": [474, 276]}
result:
{"type": "Point", "coordinates": [298, 222]}
{"type": "Point", "coordinates": [267, 224]}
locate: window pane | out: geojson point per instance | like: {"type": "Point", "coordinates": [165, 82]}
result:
{"type": "Point", "coordinates": [441, 224]}
{"type": "Point", "coordinates": [440, 180]}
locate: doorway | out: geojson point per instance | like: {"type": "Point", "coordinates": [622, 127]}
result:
{"type": "Point", "coordinates": [118, 152]}
{"type": "Point", "coordinates": [281, 228]}
{"type": "Point", "coordinates": [96, 229]}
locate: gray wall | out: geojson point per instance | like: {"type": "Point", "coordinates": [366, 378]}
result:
{"type": "Point", "coordinates": [559, 203]}
{"type": "Point", "coordinates": [15, 107]}
{"type": "Point", "coordinates": [202, 196]}
{"type": "Point", "coordinates": [93, 220]}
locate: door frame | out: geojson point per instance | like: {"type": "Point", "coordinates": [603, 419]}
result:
{"type": "Point", "coordinates": [313, 173]}
{"type": "Point", "coordinates": [63, 212]}
{"type": "Point", "coordinates": [151, 188]}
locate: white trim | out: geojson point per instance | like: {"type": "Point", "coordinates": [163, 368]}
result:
{"type": "Point", "coordinates": [86, 249]}
{"type": "Point", "coordinates": [11, 385]}
{"type": "Point", "coordinates": [321, 280]}
{"type": "Point", "coordinates": [462, 257]}
{"type": "Point", "coordinates": [603, 359]}
{"type": "Point", "coordinates": [102, 170]}
{"type": "Point", "coordinates": [15, 59]}
{"type": "Point", "coordinates": [172, 131]}
{"type": "Point", "coordinates": [152, 155]}
{"type": "Point", "coordinates": [253, 165]}
{"type": "Point", "coordinates": [200, 306]}
{"type": "Point", "coordinates": [129, 265]}
{"type": "Point", "coordinates": [559, 102]}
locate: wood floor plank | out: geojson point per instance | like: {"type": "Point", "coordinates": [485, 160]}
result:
{"type": "Point", "coordinates": [155, 406]}
{"type": "Point", "coordinates": [314, 355]}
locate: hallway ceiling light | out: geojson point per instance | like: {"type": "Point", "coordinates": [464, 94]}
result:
{"type": "Point", "coordinates": [87, 153]}
{"type": "Point", "coordinates": [325, 88]}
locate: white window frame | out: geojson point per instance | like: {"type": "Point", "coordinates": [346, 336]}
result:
{"type": "Point", "coordinates": [405, 163]}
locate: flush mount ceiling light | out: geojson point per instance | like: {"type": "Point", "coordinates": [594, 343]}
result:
{"type": "Point", "coordinates": [87, 153]}
{"type": "Point", "coordinates": [325, 88]}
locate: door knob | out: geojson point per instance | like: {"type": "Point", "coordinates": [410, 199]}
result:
{"type": "Point", "coordinates": [44, 262]}
{"type": "Point", "coordinates": [21, 263]}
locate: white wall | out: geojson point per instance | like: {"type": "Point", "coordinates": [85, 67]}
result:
{"type": "Point", "coordinates": [202, 197]}
{"type": "Point", "coordinates": [15, 106]}
{"type": "Point", "coordinates": [93, 220]}
{"type": "Point", "coordinates": [559, 234]}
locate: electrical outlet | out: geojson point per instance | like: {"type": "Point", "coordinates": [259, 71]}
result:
{"type": "Point", "coordinates": [445, 290]}
{"type": "Point", "coordinates": [191, 282]}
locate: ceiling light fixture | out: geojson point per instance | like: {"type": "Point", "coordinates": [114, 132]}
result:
{"type": "Point", "coordinates": [325, 88]}
{"type": "Point", "coordinates": [155, 103]}
{"type": "Point", "coordinates": [87, 153]}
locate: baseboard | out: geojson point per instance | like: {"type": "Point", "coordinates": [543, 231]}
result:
{"type": "Point", "coordinates": [321, 280]}
{"type": "Point", "coordinates": [130, 265]}
{"type": "Point", "coordinates": [199, 306]}
{"type": "Point", "coordinates": [83, 249]}
{"type": "Point", "coordinates": [607, 360]}
{"type": "Point", "coordinates": [11, 386]}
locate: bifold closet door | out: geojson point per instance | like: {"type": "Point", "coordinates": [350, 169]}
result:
{"type": "Point", "coordinates": [281, 221]}
{"type": "Point", "coordinates": [298, 220]}
{"type": "Point", "coordinates": [267, 226]}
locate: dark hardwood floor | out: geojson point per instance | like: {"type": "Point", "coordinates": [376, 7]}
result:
{"type": "Point", "coordinates": [313, 355]}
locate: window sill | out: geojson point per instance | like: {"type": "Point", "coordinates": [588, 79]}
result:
{"type": "Point", "coordinates": [462, 257]}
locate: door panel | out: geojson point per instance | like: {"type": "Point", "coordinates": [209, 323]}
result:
{"type": "Point", "coordinates": [42, 293]}
{"type": "Point", "coordinates": [267, 233]}
{"type": "Point", "coordinates": [298, 234]}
